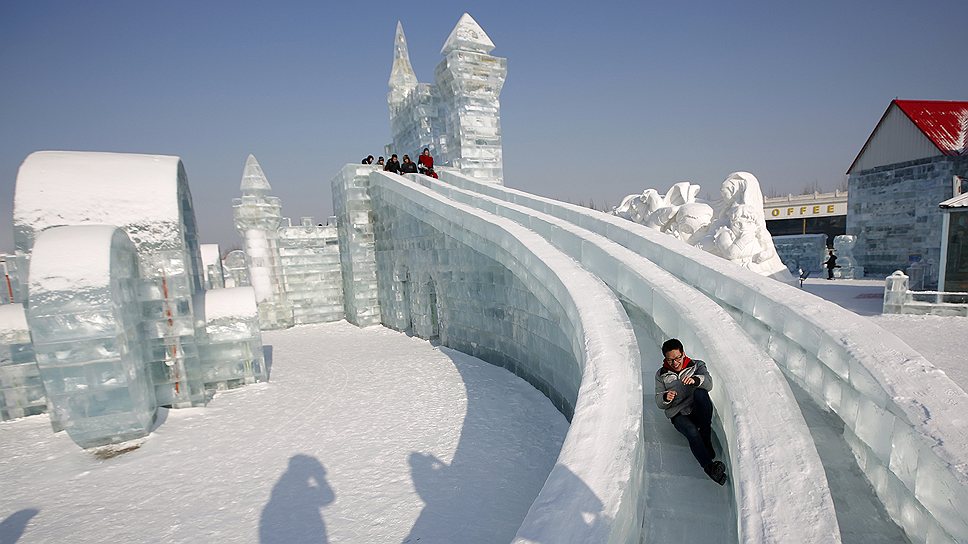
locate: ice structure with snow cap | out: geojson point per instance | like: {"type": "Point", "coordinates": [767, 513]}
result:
{"type": "Point", "coordinates": [106, 330]}
{"type": "Point", "coordinates": [458, 117]}
{"type": "Point", "coordinates": [21, 389]}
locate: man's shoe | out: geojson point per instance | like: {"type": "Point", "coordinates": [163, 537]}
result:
{"type": "Point", "coordinates": [717, 472]}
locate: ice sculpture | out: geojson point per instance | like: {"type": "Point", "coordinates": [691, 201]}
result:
{"type": "Point", "coordinates": [21, 389]}
{"type": "Point", "coordinates": [257, 218]}
{"type": "Point", "coordinates": [148, 197]}
{"type": "Point", "coordinates": [734, 229]}
{"type": "Point", "coordinates": [85, 321]}
{"type": "Point", "coordinates": [235, 269]}
{"type": "Point", "coordinates": [458, 117]}
{"type": "Point", "coordinates": [311, 266]}
{"type": "Point", "coordinates": [212, 275]}
{"type": "Point", "coordinates": [354, 221]}
{"type": "Point", "coordinates": [230, 338]}
{"type": "Point", "coordinates": [844, 246]}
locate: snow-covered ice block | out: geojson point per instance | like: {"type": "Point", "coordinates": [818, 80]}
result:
{"type": "Point", "coordinates": [97, 387]}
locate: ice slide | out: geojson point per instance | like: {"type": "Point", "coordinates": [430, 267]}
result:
{"type": "Point", "coordinates": [897, 414]}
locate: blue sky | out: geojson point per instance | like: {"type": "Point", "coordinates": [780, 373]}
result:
{"type": "Point", "coordinates": [603, 99]}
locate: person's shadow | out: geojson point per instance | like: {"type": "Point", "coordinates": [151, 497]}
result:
{"type": "Point", "coordinates": [292, 514]}
{"type": "Point", "coordinates": [12, 528]}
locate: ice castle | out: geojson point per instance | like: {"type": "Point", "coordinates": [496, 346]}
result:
{"type": "Point", "coordinates": [118, 320]}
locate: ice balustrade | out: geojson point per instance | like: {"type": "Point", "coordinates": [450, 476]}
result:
{"type": "Point", "coordinates": [899, 299]}
{"type": "Point", "coordinates": [85, 321]}
{"type": "Point", "coordinates": [668, 307]}
{"type": "Point", "coordinates": [148, 197]}
{"type": "Point", "coordinates": [21, 389]}
{"type": "Point", "coordinates": [903, 418]}
{"type": "Point", "coordinates": [230, 339]}
{"type": "Point", "coordinates": [351, 205]}
{"type": "Point", "coordinates": [311, 273]}
{"type": "Point", "coordinates": [541, 299]}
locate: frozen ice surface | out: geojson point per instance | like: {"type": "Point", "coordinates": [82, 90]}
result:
{"type": "Point", "coordinates": [93, 369]}
{"type": "Point", "coordinates": [415, 441]}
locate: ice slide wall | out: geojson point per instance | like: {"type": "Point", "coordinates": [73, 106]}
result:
{"type": "Point", "coordinates": [419, 266]}
{"type": "Point", "coordinates": [497, 290]}
{"type": "Point", "coordinates": [903, 418]}
{"type": "Point", "coordinates": [775, 453]}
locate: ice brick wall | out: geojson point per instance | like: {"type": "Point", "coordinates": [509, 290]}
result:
{"type": "Point", "coordinates": [21, 389]}
{"type": "Point", "coordinates": [213, 276]}
{"type": "Point", "coordinates": [353, 210]}
{"type": "Point", "coordinates": [806, 252]}
{"type": "Point", "coordinates": [902, 417]}
{"type": "Point", "coordinates": [10, 289]}
{"type": "Point", "coordinates": [148, 197]}
{"type": "Point", "coordinates": [663, 307]}
{"type": "Point", "coordinates": [235, 269]}
{"type": "Point", "coordinates": [230, 340]}
{"type": "Point", "coordinates": [495, 286]}
{"type": "Point", "coordinates": [893, 211]}
{"type": "Point", "coordinates": [86, 326]}
{"type": "Point", "coordinates": [311, 271]}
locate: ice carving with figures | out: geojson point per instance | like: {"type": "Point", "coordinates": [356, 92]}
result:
{"type": "Point", "coordinates": [733, 228]}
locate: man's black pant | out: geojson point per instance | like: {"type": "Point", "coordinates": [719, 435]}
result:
{"type": "Point", "coordinates": [697, 427]}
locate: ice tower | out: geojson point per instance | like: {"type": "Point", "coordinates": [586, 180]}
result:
{"type": "Point", "coordinates": [257, 218]}
{"type": "Point", "coordinates": [459, 116]}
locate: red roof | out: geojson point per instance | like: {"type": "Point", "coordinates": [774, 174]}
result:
{"type": "Point", "coordinates": [945, 123]}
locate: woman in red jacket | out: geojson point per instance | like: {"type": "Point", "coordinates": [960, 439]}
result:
{"type": "Point", "coordinates": [425, 161]}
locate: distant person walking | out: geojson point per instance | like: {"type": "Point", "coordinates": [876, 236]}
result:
{"type": "Point", "coordinates": [393, 165]}
{"type": "Point", "coordinates": [408, 166]}
{"type": "Point", "coordinates": [425, 161]}
{"type": "Point", "coordinates": [831, 264]}
{"type": "Point", "coordinates": [682, 388]}
{"type": "Point", "coordinates": [368, 159]}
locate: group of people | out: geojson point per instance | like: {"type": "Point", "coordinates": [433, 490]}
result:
{"type": "Point", "coordinates": [424, 164]}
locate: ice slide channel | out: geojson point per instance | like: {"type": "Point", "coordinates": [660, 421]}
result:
{"type": "Point", "coordinates": [592, 494]}
{"type": "Point", "coordinates": [902, 418]}
{"type": "Point", "coordinates": [778, 491]}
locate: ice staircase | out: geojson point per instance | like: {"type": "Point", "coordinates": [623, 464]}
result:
{"type": "Point", "coordinates": [876, 411]}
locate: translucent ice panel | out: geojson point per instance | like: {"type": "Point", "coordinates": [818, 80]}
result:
{"type": "Point", "coordinates": [97, 384]}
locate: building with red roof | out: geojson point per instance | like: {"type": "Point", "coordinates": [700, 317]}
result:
{"type": "Point", "coordinates": [914, 159]}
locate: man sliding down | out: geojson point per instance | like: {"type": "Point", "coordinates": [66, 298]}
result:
{"type": "Point", "coordinates": [682, 388]}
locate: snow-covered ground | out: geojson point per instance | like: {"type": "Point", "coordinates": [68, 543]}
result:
{"type": "Point", "coordinates": [362, 435]}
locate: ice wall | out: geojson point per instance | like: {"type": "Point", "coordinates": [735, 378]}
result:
{"type": "Point", "coordinates": [806, 252]}
{"type": "Point", "coordinates": [212, 275]}
{"type": "Point", "coordinates": [230, 340]}
{"type": "Point", "coordinates": [503, 293]}
{"type": "Point", "coordinates": [86, 326]}
{"type": "Point", "coordinates": [21, 389]}
{"type": "Point", "coordinates": [353, 209]}
{"type": "Point", "coordinates": [311, 272]}
{"type": "Point", "coordinates": [667, 307]}
{"type": "Point", "coordinates": [148, 197]}
{"type": "Point", "coordinates": [902, 417]}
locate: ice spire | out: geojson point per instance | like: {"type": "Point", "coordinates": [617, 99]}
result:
{"type": "Point", "coordinates": [402, 78]}
{"type": "Point", "coordinates": [467, 36]}
{"type": "Point", "coordinates": [254, 180]}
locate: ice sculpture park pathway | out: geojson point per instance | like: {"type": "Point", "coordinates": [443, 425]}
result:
{"type": "Point", "coordinates": [373, 436]}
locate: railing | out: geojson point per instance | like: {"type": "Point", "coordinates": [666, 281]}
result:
{"type": "Point", "coordinates": [899, 299]}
